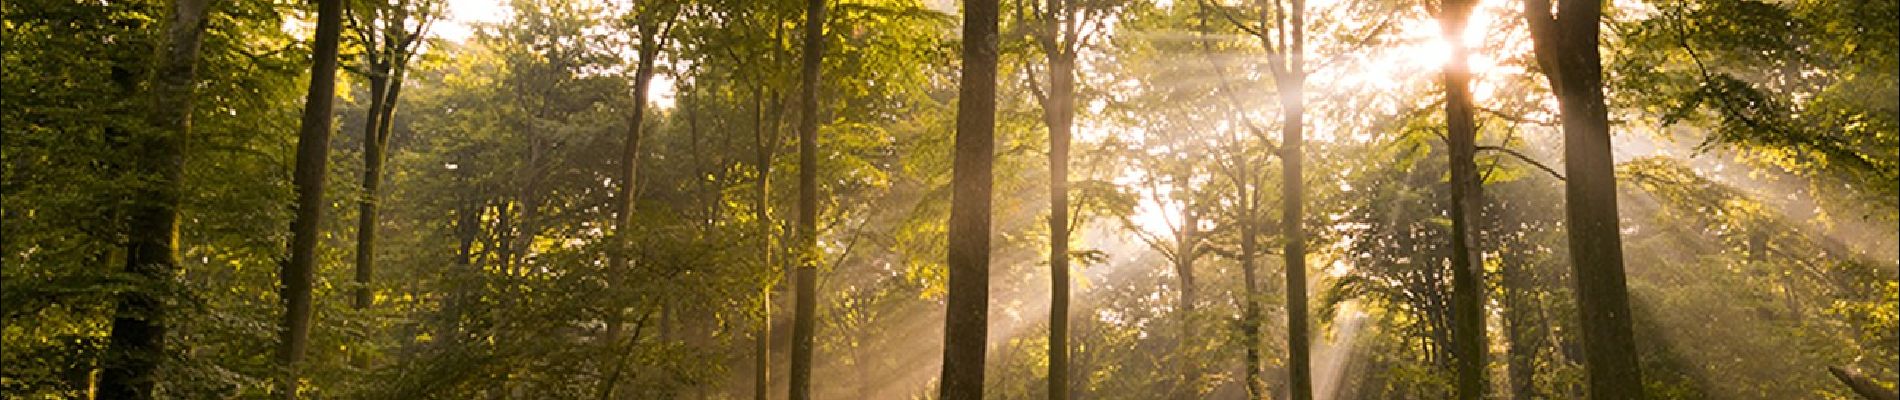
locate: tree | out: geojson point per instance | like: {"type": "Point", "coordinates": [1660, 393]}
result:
{"type": "Point", "coordinates": [1745, 75]}
{"type": "Point", "coordinates": [1283, 39]}
{"type": "Point", "coordinates": [651, 23]}
{"type": "Point", "coordinates": [1182, 243]}
{"type": "Point", "coordinates": [966, 316]}
{"type": "Point", "coordinates": [137, 340]}
{"type": "Point", "coordinates": [1287, 60]}
{"type": "Point", "coordinates": [745, 53]}
{"type": "Point", "coordinates": [1281, 30]}
{"type": "Point", "coordinates": [531, 238]}
{"type": "Point", "coordinates": [1062, 28]}
{"type": "Point", "coordinates": [765, 144]}
{"type": "Point", "coordinates": [1467, 262]}
{"type": "Point", "coordinates": [313, 156]}
{"type": "Point", "coordinates": [1565, 43]}
{"type": "Point", "coordinates": [808, 253]}
{"type": "Point", "coordinates": [390, 34]}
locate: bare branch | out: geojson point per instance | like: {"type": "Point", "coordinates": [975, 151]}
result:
{"type": "Point", "coordinates": [1526, 159]}
{"type": "Point", "coordinates": [1229, 16]}
{"type": "Point", "coordinates": [1517, 118]}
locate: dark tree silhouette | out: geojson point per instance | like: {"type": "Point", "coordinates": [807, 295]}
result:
{"type": "Point", "coordinates": [966, 318]}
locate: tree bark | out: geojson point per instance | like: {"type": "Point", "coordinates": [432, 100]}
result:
{"type": "Point", "coordinates": [625, 206]}
{"type": "Point", "coordinates": [1250, 308]}
{"type": "Point", "coordinates": [390, 41]}
{"type": "Point", "coordinates": [1059, 114]}
{"type": "Point", "coordinates": [1862, 386]}
{"type": "Point", "coordinates": [136, 345]}
{"type": "Point", "coordinates": [1292, 85]}
{"type": "Point", "coordinates": [1186, 247]}
{"type": "Point", "coordinates": [1566, 48]}
{"type": "Point", "coordinates": [1520, 357]}
{"type": "Point", "coordinates": [762, 378]}
{"type": "Point", "coordinates": [805, 307]}
{"type": "Point", "coordinates": [1468, 344]}
{"type": "Point", "coordinates": [313, 156]}
{"type": "Point", "coordinates": [374, 142]}
{"type": "Point", "coordinates": [966, 316]}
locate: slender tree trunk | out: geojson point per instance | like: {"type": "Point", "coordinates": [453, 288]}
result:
{"type": "Point", "coordinates": [784, 227]}
{"type": "Point", "coordinates": [966, 316]}
{"type": "Point", "coordinates": [805, 308]}
{"type": "Point", "coordinates": [1059, 114]}
{"type": "Point", "coordinates": [468, 213]}
{"type": "Point", "coordinates": [625, 206]}
{"type": "Point", "coordinates": [1250, 308]}
{"type": "Point", "coordinates": [1520, 356]}
{"type": "Point", "coordinates": [136, 345]}
{"type": "Point", "coordinates": [1468, 337]}
{"type": "Point", "coordinates": [384, 84]}
{"type": "Point", "coordinates": [313, 156]}
{"type": "Point", "coordinates": [501, 243]}
{"type": "Point", "coordinates": [1758, 253]}
{"type": "Point", "coordinates": [762, 379]}
{"type": "Point", "coordinates": [1566, 49]}
{"type": "Point", "coordinates": [520, 226]}
{"type": "Point", "coordinates": [529, 223]}
{"type": "Point", "coordinates": [1185, 249]}
{"type": "Point", "coordinates": [1292, 82]}
{"type": "Point", "coordinates": [373, 145]}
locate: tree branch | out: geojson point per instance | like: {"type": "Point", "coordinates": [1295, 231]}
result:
{"type": "Point", "coordinates": [1526, 159]}
{"type": "Point", "coordinates": [1861, 385]}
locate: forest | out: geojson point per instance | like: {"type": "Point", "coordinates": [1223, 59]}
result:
{"type": "Point", "coordinates": [950, 199]}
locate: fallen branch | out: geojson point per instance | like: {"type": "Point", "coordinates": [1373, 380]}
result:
{"type": "Point", "coordinates": [1862, 386]}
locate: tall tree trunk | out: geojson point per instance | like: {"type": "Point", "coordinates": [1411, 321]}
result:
{"type": "Point", "coordinates": [1566, 49]}
{"type": "Point", "coordinates": [966, 316]}
{"type": "Point", "coordinates": [468, 217]}
{"type": "Point", "coordinates": [1520, 357]}
{"type": "Point", "coordinates": [1468, 344]}
{"type": "Point", "coordinates": [1059, 114]}
{"type": "Point", "coordinates": [529, 223]}
{"type": "Point", "coordinates": [805, 308]}
{"type": "Point", "coordinates": [374, 142]}
{"type": "Point", "coordinates": [1292, 85]}
{"type": "Point", "coordinates": [626, 202]}
{"type": "Point", "coordinates": [136, 346]}
{"type": "Point", "coordinates": [519, 219]}
{"type": "Point", "coordinates": [313, 156]}
{"type": "Point", "coordinates": [387, 66]}
{"type": "Point", "coordinates": [1250, 308]}
{"type": "Point", "coordinates": [1185, 249]}
{"type": "Point", "coordinates": [762, 378]}
{"type": "Point", "coordinates": [386, 76]}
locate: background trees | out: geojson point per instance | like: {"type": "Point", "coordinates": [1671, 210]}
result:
{"type": "Point", "coordinates": [1752, 207]}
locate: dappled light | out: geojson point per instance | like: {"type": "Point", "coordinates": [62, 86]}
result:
{"type": "Point", "coordinates": [950, 199]}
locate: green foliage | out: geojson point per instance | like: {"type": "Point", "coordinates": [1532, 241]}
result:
{"type": "Point", "coordinates": [1760, 299]}
{"type": "Point", "coordinates": [77, 74]}
{"type": "Point", "coordinates": [1806, 86]}
{"type": "Point", "coordinates": [1756, 260]}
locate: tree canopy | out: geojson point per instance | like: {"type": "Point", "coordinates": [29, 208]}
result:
{"type": "Point", "coordinates": [889, 199]}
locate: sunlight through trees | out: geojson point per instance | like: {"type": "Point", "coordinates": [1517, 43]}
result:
{"type": "Point", "coordinates": [945, 199]}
